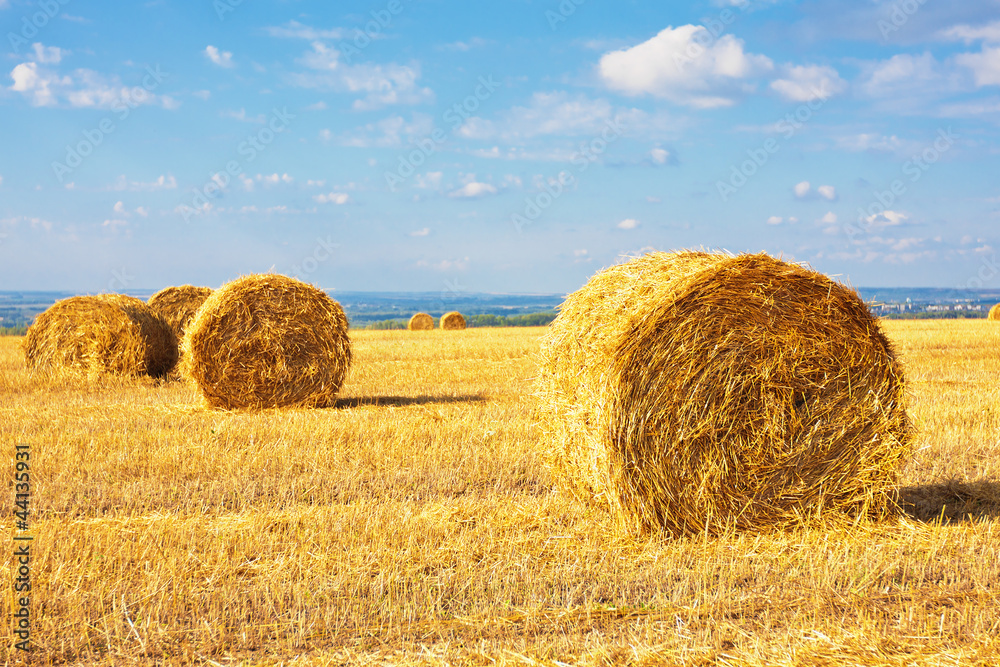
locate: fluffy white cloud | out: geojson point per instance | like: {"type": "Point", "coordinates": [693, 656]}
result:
{"type": "Point", "coordinates": [804, 83]}
{"type": "Point", "coordinates": [83, 89]}
{"type": "Point", "coordinates": [47, 55]}
{"type": "Point", "coordinates": [684, 65]}
{"type": "Point", "coordinates": [985, 65]}
{"type": "Point", "coordinates": [381, 85]}
{"type": "Point", "coordinates": [392, 132]}
{"type": "Point", "coordinates": [802, 189]}
{"type": "Point", "coordinates": [161, 183]}
{"type": "Point", "coordinates": [473, 190]}
{"type": "Point", "coordinates": [827, 192]}
{"type": "Point", "coordinates": [220, 58]}
{"type": "Point", "coordinates": [968, 34]}
{"type": "Point", "coordinates": [338, 198]}
{"type": "Point", "coordinates": [628, 223]}
{"type": "Point", "coordinates": [659, 155]}
{"type": "Point", "coordinates": [296, 30]}
{"type": "Point", "coordinates": [775, 220]}
{"type": "Point", "coordinates": [829, 219]}
{"type": "Point", "coordinates": [421, 232]}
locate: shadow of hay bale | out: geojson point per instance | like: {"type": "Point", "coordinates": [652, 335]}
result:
{"type": "Point", "coordinates": [951, 501]}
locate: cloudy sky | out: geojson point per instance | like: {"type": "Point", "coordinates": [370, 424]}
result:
{"type": "Point", "coordinates": [505, 146]}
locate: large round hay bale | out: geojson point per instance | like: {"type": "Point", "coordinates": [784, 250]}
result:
{"type": "Point", "coordinates": [453, 321]}
{"type": "Point", "coordinates": [994, 312]}
{"type": "Point", "coordinates": [421, 322]}
{"type": "Point", "coordinates": [265, 341]}
{"type": "Point", "coordinates": [178, 305]}
{"type": "Point", "coordinates": [694, 392]}
{"type": "Point", "coordinates": [108, 333]}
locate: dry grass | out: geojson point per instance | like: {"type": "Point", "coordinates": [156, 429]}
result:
{"type": "Point", "coordinates": [420, 322]}
{"type": "Point", "coordinates": [414, 523]}
{"type": "Point", "coordinates": [453, 321]}
{"type": "Point", "coordinates": [266, 341]}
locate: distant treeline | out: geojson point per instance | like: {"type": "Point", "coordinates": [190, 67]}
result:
{"type": "Point", "coordinates": [939, 315]}
{"type": "Point", "coordinates": [13, 331]}
{"type": "Point", "coordinates": [484, 320]}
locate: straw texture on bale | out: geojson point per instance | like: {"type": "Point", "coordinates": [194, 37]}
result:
{"type": "Point", "coordinates": [178, 305]}
{"type": "Point", "coordinates": [693, 392]}
{"type": "Point", "coordinates": [994, 312]}
{"type": "Point", "coordinates": [421, 322]}
{"type": "Point", "coordinates": [453, 321]}
{"type": "Point", "coordinates": [103, 334]}
{"type": "Point", "coordinates": [267, 340]}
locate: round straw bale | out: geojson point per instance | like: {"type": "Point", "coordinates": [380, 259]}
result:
{"type": "Point", "coordinates": [421, 322]}
{"type": "Point", "coordinates": [265, 341]}
{"type": "Point", "coordinates": [692, 392]}
{"type": "Point", "coordinates": [994, 312]}
{"type": "Point", "coordinates": [108, 333]}
{"type": "Point", "coordinates": [453, 321]}
{"type": "Point", "coordinates": [178, 305]}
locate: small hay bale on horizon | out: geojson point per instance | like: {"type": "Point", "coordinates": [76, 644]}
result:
{"type": "Point", "coordinates": [178, 305]}
{"type": "Point", "coordinates": [693, 392]}
{"type": "Point", "coordinates": [994, 313]}
{"type": "Point", "coordinates": [267, 341]}
{"type": "Point", "coordinates": [420, 322]}
{"type": "Point", "coordinates": [104, 334]}
{"type": "Point", "coordinates": [453, 321]}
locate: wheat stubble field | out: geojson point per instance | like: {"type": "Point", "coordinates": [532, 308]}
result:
{"type": "Point", "coordinates": [416, 523]}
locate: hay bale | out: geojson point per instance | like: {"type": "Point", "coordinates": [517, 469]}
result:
{"type": "Point", "coordinates": [108, 333]}
{"type": "Point", "coordinates": [994, 313]}
{"type": "Point", "coordinates": [178, 305]}
{"type": "Point", "coordinates": [453, 321]}
{"type": "Point", "coordinates": [421, 322]}
{"type": "Point", "coordinates": [265, 341]}
{"type": "Point", "coordinates": [691, 392]}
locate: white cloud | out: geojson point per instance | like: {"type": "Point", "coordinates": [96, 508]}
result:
{"type": "Point", "coordinates": [220, 58]}
{"type": "Point", "coordinates": [628, 223]}
{"type": "Point", "coordinates": [84, 89]}
{"type": "Point", "coordinates": [802, 189]}
{"type": "Point", "coordinates": [827, 192]}
{"type": "Point", "coordinates": [676, 65]}
{"type": "Point", "coordinates": [202, 94]}
{"type": "Point", "coordinates": [115, 223]}
{"type": "Point", "coordinates": [829, 219]}
{"type": "Point", "coordinates": [119, 207]}
{"type": "Point", "coordinates": [907, 79]}
{"type": "Point", "coordinates": [421, 232]}
{"type": "Point", "coordinates": [804, 83]}
{"type": "Point", "coordinates": [162, 183]}
{"type": "Point", "coordinates": [889, 218]}
{"type": "Point", "coordinates": [274, 179]}
{"type": "Point", "coordinates": [392, 132]}
{"type": "Point", "coordinates": [48, 55]}
{"type": "Point", "coordinates": [445, 264]}
{"type": "Point", "coordinates": [989, 32]}
{"type": "Point", "coordinates": [429, 181]}
{"type": "Point", "coordinates": [473, 190]}
{"type": "Point", "coordinates": [296, 30]}
{"type": "Point", "coordinates": [338, 198]}
{"type": "Point", "coordinates": [318, 106]}
{"type": "Point", "coordinates": [579, 253]}
{"type": "Point", "coordinates": [775, 220]}
{"type": "Point", "coordinates": [659, 155]}
{"type": "Point", "coordinates": [381, 85]}
{"type": "Point", "coordinates": [985, 65]}
{"type": "Point", "coordinates": [315, 184]}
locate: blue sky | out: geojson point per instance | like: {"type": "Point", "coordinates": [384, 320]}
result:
{"type": "Point", "coordinates": [510, 146]}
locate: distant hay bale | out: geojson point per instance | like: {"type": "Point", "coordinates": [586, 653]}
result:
{"type": "Point", "coordinates": [178, 305]}
{"type": "Point", "coordinates": [994, 312]}
{"type": "Point", "coordinates": [691, 391]}
{"type": "Point", "coordinates": [453, 321]}
{"type": "Point", "coordinates": [265, 341]}
{"type": "Point", "coordinates": [421, 322]}
{"type": "Point", "coordinates": [108, 333]}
